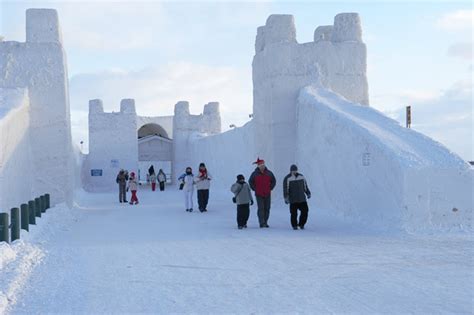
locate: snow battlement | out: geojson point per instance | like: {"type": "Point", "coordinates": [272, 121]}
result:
{"type": "Point", "coordinates": [209, 122]}
{"type": "Point", "coordinates": [280, 28]}
{"type": "Point", "coordinates": [127, 106]}
{"type": "Point", "coordinates": [42, 26]}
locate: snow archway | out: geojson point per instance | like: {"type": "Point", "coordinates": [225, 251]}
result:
{"type": "Point", "coordinates": [152, 129]}
{"type": "Point", "coordinates": [154, 148]}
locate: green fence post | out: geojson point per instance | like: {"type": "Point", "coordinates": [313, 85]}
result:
{"type": "Point", "coordinates": [37, 207]}
{"type": "Point", "coordinates": [31, 212]}
{"type": "Point", "coordinates": [25, 218]}
{"type": "Point", "coordinates": [15, 226]}
{"type": "Point", "coordinates": [43, 204]}
{"type": "Point", "coordinates": [48, 201]}
{"type": "Point", "coordinates": [4, 227]}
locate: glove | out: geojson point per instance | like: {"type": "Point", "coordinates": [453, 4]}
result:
{"type": "Point", "coordinates": [309, 196]}
{"type": "Point", "coordinates": [287, 201]}
{"type": "Point", "coordinates": [251, 202]}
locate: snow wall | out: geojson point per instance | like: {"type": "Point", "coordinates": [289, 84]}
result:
{"type": "Point", "coordinates": [39, 67]}
{"type": "Point", "coordinates": [226, 155]}
{"type": "Point", "coordinates": [113, 145]}
{"type": "Point", "coordinates": [16, 163]}
{"type": "Point", "coordinates": [364, 165]}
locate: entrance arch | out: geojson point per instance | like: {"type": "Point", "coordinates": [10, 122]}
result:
{"type": "Point", "coordinates": [154, 148]}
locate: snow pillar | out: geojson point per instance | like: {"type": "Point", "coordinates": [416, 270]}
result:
{"type": "Point", "coordinates": [212, 118]}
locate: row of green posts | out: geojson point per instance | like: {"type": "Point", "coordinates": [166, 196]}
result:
{"type": "Point", "coordinates": [22, 218]}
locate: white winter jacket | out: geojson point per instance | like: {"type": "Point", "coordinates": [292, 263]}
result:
{"type": "Point", "coordinates": [203, 183]}
{"type": "Point", "coordinates": [188, 182]}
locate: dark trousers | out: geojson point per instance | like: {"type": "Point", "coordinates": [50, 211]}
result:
{"type": "Point", "coordinates": [122, 193]}
{"type": "Point", "coordinates": [162, 186]}
{"type": "Point", "coordinates": [243, 212]}
{"type": "Point", "coordinates": [153, 186]}
{"type": "Point", "coordinates": [263, 204]}
{"type": "Point", "coordinates": [303, 207]}
{"type": "Point", "coordinates": [203, 198]}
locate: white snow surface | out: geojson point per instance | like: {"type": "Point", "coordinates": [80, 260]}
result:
{"type": "Point", "coordinates": [157, 258]}
{"type": "Point", "coordinates": [19, 259]}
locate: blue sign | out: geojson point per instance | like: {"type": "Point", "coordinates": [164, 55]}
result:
{"type": "Point", "coordinates": [96, 172]}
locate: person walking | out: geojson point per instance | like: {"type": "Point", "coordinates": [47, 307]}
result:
{"type": "Point", "coordinates": [295, 191]}
{"type": "Point", "coordinates": [153, 181]}
{"type": "Point", "coordinates": [133, 186]}
{"type": "Point", "coordinates": [203, 183]}
{"type": "Point", "coordinates": [122, 182]}
{"type": "Point", "coordinates": [162, 179]}
{"type": "Point", "coordinates": [243, 199]}
{"type": "Point", "coordinates": [187, 180]}
{"type": "Point", "coordinates": [262, 181]}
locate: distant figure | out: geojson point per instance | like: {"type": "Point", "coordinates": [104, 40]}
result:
{"type": "Point", "coordinates": [153, 181]}
{"type": "Point", "coordinates": [295, 191]}
{"type": "Point", "coordinates": [262, 181]}
{"type": "Point", "coordinates": [243, 199]}
{"type": "Point", "coordinates": [122, 182]}
{"type": "Point", "coordinates": [162, 179]}
{"type": "Point", "coordinates": [203, 183]}
{"type": "Point", "coordinates": [133, 186]}
{"type": "Point", "coordinates": [187, 180]}
{"type": "Point", "coordinates": [151, 170]}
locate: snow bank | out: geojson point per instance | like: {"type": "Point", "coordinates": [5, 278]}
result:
{"type": "Point", "coordinates": [19, 259]}
{"type": "Point", "coordinates": [15, 156]}
{"type": "Point", "coordinates": [366, 166]}
{"type": "Point", "coordinates": [226, 155]}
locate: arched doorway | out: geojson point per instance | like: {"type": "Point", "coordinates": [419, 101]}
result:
{"type": "Point", "coordinates": [154, 148]}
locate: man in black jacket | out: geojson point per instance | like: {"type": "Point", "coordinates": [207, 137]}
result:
{"type": "Point", "coordinates": [295, 191]}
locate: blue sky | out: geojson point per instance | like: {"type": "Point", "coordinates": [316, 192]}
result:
{"type": "Point", "coordinates": [419, 54]}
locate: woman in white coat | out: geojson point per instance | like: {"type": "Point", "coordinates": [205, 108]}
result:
{"type": "Point", "coordinates": [187, 182]}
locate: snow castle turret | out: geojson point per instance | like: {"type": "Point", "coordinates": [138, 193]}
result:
{"type": "Point", "coordinates": [282, 67]}
{"type": "Point", "coordinates": [112, 144]}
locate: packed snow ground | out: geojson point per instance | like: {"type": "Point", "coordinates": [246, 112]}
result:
{"type": "Point", "coordinates": [157, 258]}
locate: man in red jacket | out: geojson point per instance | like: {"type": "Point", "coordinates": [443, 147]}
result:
{"type": "Point", "coordinates": [262, 181]}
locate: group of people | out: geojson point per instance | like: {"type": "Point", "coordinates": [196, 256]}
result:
{"type": "Point", "coordinates": [128, 182]}
{"type": "Point", "coordinates": [202, 181]}
{"type": "Point", "coordinates": [261, 181]}
{"type": "Point", "coordinates": [152, 178]}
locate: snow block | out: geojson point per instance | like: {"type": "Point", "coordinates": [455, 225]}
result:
{"type": "Point", "coordinates": [323, 33]}
{"type": "Point", "coordinates": [366, 166]}
{"type": "Point", "coordinates": [42, 26]}
{"type": "Point", "coordinates": [347, 27]}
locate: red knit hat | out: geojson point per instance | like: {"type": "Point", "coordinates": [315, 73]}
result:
{"type": "Point", "coordinates": [259, 162]}
{"type": "Point", "coordinates": [132, 174]}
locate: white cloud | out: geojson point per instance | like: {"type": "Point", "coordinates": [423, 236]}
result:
{"type": "Point", "coordinates": [157, 90]}
{"type": "Point", "coordinates": [457, 20]}
{"type": "Point", "coordinates": [462, 50]}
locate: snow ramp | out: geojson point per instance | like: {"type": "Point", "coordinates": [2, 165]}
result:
{"type": "Point", "coordinates": [366, 166]}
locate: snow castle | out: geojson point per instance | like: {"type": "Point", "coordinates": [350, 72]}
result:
{"type": "Point", "coordinates": [311, 107]}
